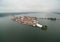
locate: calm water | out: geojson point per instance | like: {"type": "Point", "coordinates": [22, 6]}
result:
{"type": "Point", "coordinates": [11, 31]}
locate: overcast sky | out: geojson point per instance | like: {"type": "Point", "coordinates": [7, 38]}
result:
{"type": "Point", "coordinates": [29, 5]}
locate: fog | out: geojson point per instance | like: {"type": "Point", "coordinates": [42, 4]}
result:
{"type": "Point", "coordinates": [29, 5]}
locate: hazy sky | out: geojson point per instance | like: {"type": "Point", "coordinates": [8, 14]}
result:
{"type": "Point", "coordinates": [29, 5]}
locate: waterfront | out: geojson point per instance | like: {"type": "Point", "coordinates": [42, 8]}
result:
{"type": "Point", "coordinates": [15, 32]}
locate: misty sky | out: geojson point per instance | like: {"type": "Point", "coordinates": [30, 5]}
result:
{"type": "Point", "coordinates": [29, 5]}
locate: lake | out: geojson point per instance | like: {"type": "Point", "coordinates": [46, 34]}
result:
{"type": "Point", "coordinates": [11, 31]}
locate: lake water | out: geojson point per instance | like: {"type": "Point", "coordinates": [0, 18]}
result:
{"type": "Point", "coordinates": [11, 31]}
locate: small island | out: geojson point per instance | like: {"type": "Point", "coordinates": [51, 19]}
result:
{"type": "Point", "coordinates": [26, 20]}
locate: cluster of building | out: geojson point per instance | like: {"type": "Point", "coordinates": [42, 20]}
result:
{"type": "Point", "coordinates": [26, 20]}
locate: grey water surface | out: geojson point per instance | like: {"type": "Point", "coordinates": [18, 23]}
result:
{"type": "Point", "coordinates": [11, 31]}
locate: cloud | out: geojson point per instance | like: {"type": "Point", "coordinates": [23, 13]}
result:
{"type": "Point", "coordinates": [28, 5]}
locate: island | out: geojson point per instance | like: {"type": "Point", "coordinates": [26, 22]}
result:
{"type": "Point", "coordinates": [28, 20]}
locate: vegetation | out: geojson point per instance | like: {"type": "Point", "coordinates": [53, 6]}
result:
{"type": "Point", "coordinates": [44, 27]}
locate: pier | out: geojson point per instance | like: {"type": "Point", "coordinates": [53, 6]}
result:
{"type": "Point", "coordinates": [49, 18]}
